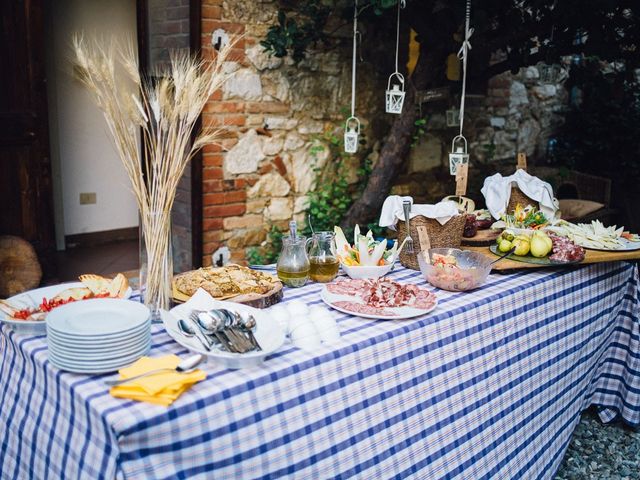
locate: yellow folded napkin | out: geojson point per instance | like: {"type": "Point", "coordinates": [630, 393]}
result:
{"type": "Point", "coordinates": [161, 388]}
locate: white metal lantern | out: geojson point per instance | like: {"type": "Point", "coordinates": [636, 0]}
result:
{"type": "Point", "coordinates": [395, 93]}
{"type": "Point", "coordinates": [550, 73]}
{"type": "Point", "coordinates": [458, 155]}
{"type": "Point", "coordinates": [453, 117]}
{"type": "Point", "coordinates": [351, 134]}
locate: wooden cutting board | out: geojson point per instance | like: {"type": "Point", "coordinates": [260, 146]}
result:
{"type": "Point", "coordinates": [591, 256]}
{"type": "Point", "coordinates": [483, 238]}
{"type": "Point", "coordinates": [255, 300]}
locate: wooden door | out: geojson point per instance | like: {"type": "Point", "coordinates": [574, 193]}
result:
{"type": "Point", "coordinates": [26, 198]}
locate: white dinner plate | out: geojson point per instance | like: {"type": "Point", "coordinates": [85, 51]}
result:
{"type": "Point", "coordinates": [93, 368]}
{"type": "Point", "coordinates": [400, 313]}
{"type": "Point", "coordinates": [34, 297]}
{"type": "Point", "coordinates": [82, 353]}
{"type": "Point", "coordinates": [112, 339]}
{"type": "Point", "coordinates": [98, 317]}
{"type": "Point", "coordinates": [97, 346]}
{"type": "Point", "coordinates": [268, 333]}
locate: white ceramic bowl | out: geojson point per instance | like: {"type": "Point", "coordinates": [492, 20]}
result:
{"type": "Point", "coordinates": [268, 333]}
{"type": "Point", "coordinates": [359, 272]}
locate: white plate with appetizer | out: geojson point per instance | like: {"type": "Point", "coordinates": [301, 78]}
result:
{"type": "Point", "coordinates": [367, 257]}
{"type": "Point", "coordinates": [379, 299]}
{"type": "Point", "coordinates": [26, 312]}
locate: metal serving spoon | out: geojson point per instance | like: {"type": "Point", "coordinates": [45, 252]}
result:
{"type": "Point", "coordinates": [503, 256]}
{"type": "Point", "coordinates": [187, 365]}
{"type": "Point", "coordinates": [188, 331]}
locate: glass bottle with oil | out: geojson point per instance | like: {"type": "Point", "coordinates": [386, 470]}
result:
{"type": "Point", "coordinates": [293, 263]}
{"type": "Point", "coordinates": [322, 257]}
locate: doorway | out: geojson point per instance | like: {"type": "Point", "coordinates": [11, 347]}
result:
{"type": "Point", "coordinates": [95, 211]}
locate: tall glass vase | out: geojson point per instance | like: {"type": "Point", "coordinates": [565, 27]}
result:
{"type": "Point", "coordinates": [156, 261]}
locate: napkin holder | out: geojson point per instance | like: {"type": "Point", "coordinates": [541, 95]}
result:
{"type": "Point", "coordinates": [440, 236]}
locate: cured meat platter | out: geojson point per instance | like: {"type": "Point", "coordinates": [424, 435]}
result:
{"type": "Point", "coordinates": [379, 299]}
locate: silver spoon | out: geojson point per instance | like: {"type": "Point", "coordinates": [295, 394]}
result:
{"type": "Point", "coordinates": [248, 324]}
{"type": "Point", "coordinates": [188, 331]}
{"type": "Point", "coordinates": [232, 321]}
{"type": "Point", "coordinates": [212, 326]}
{"type": "Point", "coordinates": [187, 365]}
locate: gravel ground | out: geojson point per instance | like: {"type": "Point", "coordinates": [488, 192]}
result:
{"type": "Point", "coordinates": [601, 452]}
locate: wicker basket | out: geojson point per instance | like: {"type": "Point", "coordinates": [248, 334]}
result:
{"type": "Point", "coordinates": [440, 236]}
{"type": "Point", "coordinates": [519, 198]}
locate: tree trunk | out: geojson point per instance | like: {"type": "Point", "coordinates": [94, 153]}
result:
{"type": "Point", "coordinates": [396, 148]}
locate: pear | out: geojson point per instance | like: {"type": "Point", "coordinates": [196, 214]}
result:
{"type": "Point", "coordinates": [539, 246]}
{"type": "Point", "coordinates": [505, 245]}
{"type": "Point", "coordinates": [522, 245]}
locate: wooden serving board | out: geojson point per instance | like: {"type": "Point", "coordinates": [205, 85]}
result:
{"type": "Point", "coordinates": [591, 256]}
{"type": "Point", "coordinates": [255, 300]}
{"type": "Point", "coordinates": [483, 238]}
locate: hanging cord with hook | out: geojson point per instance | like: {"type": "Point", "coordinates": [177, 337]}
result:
{"type": "Point", "coordinates": [353, 61]}
{"type": "Point", "coordinates": [462, 53]}
{"type": "Point", "coordinates": [401, 4]}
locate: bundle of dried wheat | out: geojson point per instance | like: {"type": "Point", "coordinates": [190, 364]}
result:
{"type": "Point", "coordinates": [165, 108]}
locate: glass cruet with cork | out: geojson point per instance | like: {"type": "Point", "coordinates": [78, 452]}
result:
{"type": "Point", "coordinates": [293, 263]}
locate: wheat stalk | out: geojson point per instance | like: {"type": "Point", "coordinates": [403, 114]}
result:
{"type": "Point", "coordinates": [165, 110]}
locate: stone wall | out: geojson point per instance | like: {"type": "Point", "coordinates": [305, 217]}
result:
{"type": "Point", "coordinates": [274, 113]}
{"type": "Point", "coordinates": [518, 113]}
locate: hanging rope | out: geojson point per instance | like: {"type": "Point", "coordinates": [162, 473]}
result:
{"type": "Point", "coordinates": [462, 54]}
{"type": "Point", "coordinates": [401, 4]}
{"type": "Point", "coordinates": [353, 61]}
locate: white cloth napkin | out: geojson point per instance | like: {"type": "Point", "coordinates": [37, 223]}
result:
{"type": "Point", "coordinates": [497, 191]}
{"type": "Point", "coordinates": [392, 211]}
{"type": "Point", "coordinates": [201, 300]}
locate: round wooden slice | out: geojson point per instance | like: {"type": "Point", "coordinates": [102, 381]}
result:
{"type": "Point", "coordinates": [256, 300]}
{"type": "Point", "coordinates": [19, 266]}
{"type": "Point", "coordinates": [483, 238]}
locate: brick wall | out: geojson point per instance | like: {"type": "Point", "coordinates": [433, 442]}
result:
{"type": "Point", "coordinates": [222, 198]}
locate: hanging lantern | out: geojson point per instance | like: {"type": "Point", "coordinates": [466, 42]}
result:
{"type": "Point", "coordinates": [395, 94]}
{"type": "Point", "coordinates": [550, 73]}
{"type": "Point", "coordinates": [351, 134]}
{"type": "Point", "coordinates": [458, 155]}
{"type": "Point", "coordinates": [453, 117]}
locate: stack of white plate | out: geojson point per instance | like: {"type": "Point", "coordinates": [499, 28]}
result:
{"type": "Point", "coordinates": [98, 335]}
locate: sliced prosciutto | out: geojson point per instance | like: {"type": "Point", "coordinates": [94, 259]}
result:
{"type": "Point", "coordinates": [384, 293]}
{"type": "Point", "coordinates": [344, 286]}
{"type": "Point", "coordinates": [362, 308]}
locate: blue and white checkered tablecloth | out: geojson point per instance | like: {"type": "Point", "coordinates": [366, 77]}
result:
{"type": "Point", "coordinates": [489, 385]}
